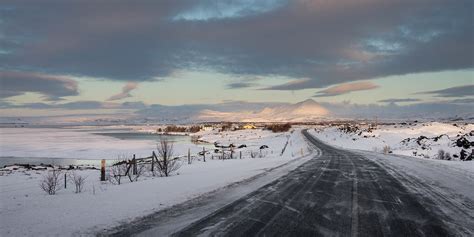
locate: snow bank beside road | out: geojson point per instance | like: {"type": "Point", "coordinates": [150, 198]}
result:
{"type": "Point", "coordinates": [421, 140]}
{"type": "Point", "coordinates": [448, 185]}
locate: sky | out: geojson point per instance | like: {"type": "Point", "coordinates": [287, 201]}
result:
{"type": "Point", "coordinates": [149, 57]}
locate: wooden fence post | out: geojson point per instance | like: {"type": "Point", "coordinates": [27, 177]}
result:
{"type": "Point", "coordinates": [65, 181]}
{"type": "Point", "coordinates": [240, 155]}
{"type": "Point", "coordinates": [204, 153]}
{"type": "Point", "coordinates": [102, 170]}
{"type": "Point", "coordinates": [152, 160]}
{"type": "Point", "coordinates": [189, 156]}
{"type": "Point", "coordinates": [134, 162]}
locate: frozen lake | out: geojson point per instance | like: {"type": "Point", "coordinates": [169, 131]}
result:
{"type": "Point", "coordinates": [77, 145]}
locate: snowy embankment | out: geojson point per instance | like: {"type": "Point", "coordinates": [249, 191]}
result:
{"type": "Point", "coordinates": [440, 184]}
{"type": "Point", "coordinates": [420, 140]}
{"type": "Point", "coordinates": [27, 210]}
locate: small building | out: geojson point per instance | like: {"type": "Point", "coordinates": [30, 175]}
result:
{"type": "Point", "coordinates": [249, 126]}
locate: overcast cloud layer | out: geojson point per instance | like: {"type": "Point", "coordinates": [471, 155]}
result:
{"type": "Point", "coordinates": [334, 47]}
{"type": "Point", "coordinates": [321, 42]}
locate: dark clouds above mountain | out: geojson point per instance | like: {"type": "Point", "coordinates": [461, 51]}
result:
{"type": "Point", "coordinates": [321, 42]}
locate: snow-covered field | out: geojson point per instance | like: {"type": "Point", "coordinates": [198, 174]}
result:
{"type": "Point", "coordinates": [27, 210]}
{"type": "Point", "coordinates": [419, 139]}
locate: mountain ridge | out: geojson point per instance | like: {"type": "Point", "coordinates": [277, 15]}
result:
{"type": "Point", "coordinates": [307, 110]}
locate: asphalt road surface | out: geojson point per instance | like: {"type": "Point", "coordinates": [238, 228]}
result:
{"type": "Point", "coordinates": [336, 193]}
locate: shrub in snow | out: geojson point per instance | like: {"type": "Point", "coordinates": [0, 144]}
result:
{"type": "Point", "coordinates": [125, 168]}
{"type": "Point", "coordinates": [166, 164]}
{"type": "Point", "coordinates": [78, 180]}
{"type": "Point", "coordinates": [386, 149]}
{"type": "Point", "coordinates": [50, 183]}
{"type": "Point", "coordinates": [447, 156]}
{"type": "Point", "coordinates": [116, 172]}
{"type": "Point", "coordinates": [471, 156]}
{"type": "Point", "coordinates": [441, 154]}
{"type": "Point", "coordinates": [463, 154]}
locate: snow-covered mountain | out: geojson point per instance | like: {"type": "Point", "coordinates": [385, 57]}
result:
{"type": "Point", "coordinates": [308, 110]}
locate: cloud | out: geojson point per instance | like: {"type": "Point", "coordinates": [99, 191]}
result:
{"type": "Point", "coordinates": [125, 91]}
{"type": "Point", "coordinates": [458, 91]}
{"type": "Point", "coordinates": [291, 85]}
{"type": "Point", "coordinates": [325, 42]}
{"type": "Point", "coordinates": [390, 101]}
{"type": "Point", "coordinates": [463, 101]}
{"type": "Point", "coordinates": [76, 105]}
{"type": "Point", "coordinates": [427, 110]}
{"type": "Point", "coordinates": [346, 88]}
{"type": "Point", "coordinates": [52, 87]}
{"type": "Point", "coordinates": [240, 85]}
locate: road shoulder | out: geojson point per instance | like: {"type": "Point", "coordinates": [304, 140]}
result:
{"type": "Point", "coordinates": [440, 186]}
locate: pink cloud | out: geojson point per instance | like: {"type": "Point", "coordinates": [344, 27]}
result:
{"type": "Point", "coordinates": [125, 91]}
{"type": "Point", "coordinates": [346, 88]}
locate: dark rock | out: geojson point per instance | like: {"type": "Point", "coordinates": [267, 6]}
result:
{"type": "Point", "coordinates": [463, 154]}
{"type": "Point", "coordinates": [420, 138]}
{"type": "Point", "coordinates": [463, 142]}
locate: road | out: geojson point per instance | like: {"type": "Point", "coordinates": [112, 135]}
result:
{"type": "Point", "coordinates": [337, 193]}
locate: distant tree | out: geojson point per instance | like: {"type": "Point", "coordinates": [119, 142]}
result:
{"type": "Point", "coordinates": [226, 126]}
{"type": "Point", "coordinates": [194, 129]}
{"type": "Point", "coordinates": [278, 127]}
{"type": "Point", "coordinates": [174, 128]}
